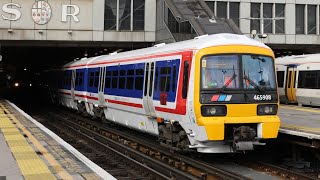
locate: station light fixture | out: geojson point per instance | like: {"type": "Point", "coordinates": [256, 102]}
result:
{"type": "Point", "coordinates": [10, 30]}
{"type": "Point", "coordinates": [263, 36]}
{"type": "Point", "coordinates": [253, 33]}
{"type": "Point", "coordinates": [40, 31]}
{"type": "Point", "coordinates": [70, 32]}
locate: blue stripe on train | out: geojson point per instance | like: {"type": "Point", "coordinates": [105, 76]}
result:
{"type": "Point", "coordinates": [163, 82]}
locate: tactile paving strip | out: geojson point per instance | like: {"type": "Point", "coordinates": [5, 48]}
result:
{"type": "Point", "coordinates": [64, 161]}
{"type": "Point", "coordinates": [30, 164]}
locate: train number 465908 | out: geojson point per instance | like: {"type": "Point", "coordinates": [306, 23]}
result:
{"type": "Point", "coordinates": [262, 97]}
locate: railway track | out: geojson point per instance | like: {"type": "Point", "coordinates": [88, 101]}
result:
{"type": "Point", "coordinates": [275, 171]}
{"type": "Point", "coordinates": [169, 164]}
{"type": "Point", "coordinates": [120, 165]}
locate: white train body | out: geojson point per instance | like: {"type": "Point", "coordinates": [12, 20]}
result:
{"type": "Point", "coordinates": [169, 96]}
{"type": "Point", "coordinates": [299, 79]}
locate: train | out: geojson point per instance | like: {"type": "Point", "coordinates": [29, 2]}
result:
{"type": "Point", "coordinates": [211, 94]}
{"type": "Point", "coordinates": [298, 79]}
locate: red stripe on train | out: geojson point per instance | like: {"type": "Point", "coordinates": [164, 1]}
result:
{"type": "Point", "coordinates": [80, 95]}
{"type": "Point", "coordinates": [131, 59]}
{"type": "Point", "coordinates": [88, 97]}
{"type": "Point", "coordinates": [65, 93]}
{"type": "Point", "coordinates": [180, 110]}
{"type": "Point", "coordinates": [124, 103]}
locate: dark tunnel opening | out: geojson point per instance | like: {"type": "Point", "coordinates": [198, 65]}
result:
{"type": "Point", "coordinates": [25, 69]}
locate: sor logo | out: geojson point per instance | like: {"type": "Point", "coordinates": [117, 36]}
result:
{"type": "Point", "coordinates": [41, 12]}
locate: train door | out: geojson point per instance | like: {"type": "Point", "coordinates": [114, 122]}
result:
{"type": "Point", "coordinates": [148, 89]}
{"type": "Point", "coordinates": [101, 85]}
{"type": "Point", "coordinates": [291, 83]}
{"type": "Point", "coordinates": [73, 79]}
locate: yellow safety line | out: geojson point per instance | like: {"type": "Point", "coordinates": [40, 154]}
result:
{"type": "Point", "coordinates": [300, 109]}
{"type": "Point", "coordinates": [303, 128]}
{"type": "Point", "coordinates": [52, 161]}
{"type": "Point", "coordinates": [57, 167]}
{"type": "Point", "coordinates": [31, 165]}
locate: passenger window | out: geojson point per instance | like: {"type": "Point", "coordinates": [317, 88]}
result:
{"type": "Point", "coordinates": [156, 80]}
{"type": "Point", "coordinates": [165, 79]}
{"type": "Point", "coordinates": [108, 79]}
{"type": "Point", "coordinates": [96, 79]}
{"type": "Point", "coordinates": [80, 78]}
{"type": "Point", "coordinates": [122, 72]}
{"type": "Point", "coordinates": [174, 78]}
{"type": "Point", "coordinates": [139, 79]}
{"type": "Point", "coordinates": [115, 79]}
{"type": "Point", "coordinates": [308, 79]}
{"type": "Point", "coordinates": [91, 79]}
{"type": "Point", "coordinates": [122, 79]}
{"type": "Point", "coordinates": [280, 78]}
{"type": "Point", "coordinates": [130, 72]}
{"type": "Point", "coordinates": [185, 79]}
{"type": "Point", "coordinates": [67, 81]}
{"type": "Point", "coordinates": [130, 79]}
{"type": "Point", "coordinates": [151, 79]}
{"type": "Point", "coordinates": [77, 79]}
{"type": "Point", "coordinates": [146, 79]}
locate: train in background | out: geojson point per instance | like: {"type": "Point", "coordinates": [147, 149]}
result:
{"type": "Point", "coordinates": [214, 94]}
{"type": "Point", "coordinates": [299, 79]}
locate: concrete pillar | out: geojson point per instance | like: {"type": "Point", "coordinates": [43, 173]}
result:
{"type": "Point", "coordinates": [290, 21]}
{"type": "Point", "coordinates": [245, 10]}
{"type": "Point", "coordinates": [98, 15]}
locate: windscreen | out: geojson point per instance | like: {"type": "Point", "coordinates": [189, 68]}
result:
{"type": "Point", "coordinates": [218, 70]}
{"type": "Point", "coordinates": [246, 72]}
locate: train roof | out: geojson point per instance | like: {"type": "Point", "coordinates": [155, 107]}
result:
{"type": "Point", "coordinates": [298, 59]}
{"type": "Point", "coordinates": [189, 45]}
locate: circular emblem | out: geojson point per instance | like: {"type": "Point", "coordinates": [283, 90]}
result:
{"type": "Point", "coordinates": [41, 12]}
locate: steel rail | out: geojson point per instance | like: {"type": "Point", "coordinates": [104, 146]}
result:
{"type": "Point", "coordinates": [206, 170]}
{"type": "Point", "coordinates": [161, 169]}
{"type": "Point", "coordinates": [284, 173]}
{"type": "Point", "coordinates": [276, 170]}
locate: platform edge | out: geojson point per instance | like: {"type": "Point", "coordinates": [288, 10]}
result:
{"type": "Point", "coordinates": [98, 170]}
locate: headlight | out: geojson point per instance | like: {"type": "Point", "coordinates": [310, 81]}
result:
{"type": "Point", "coordinates": [267, 109]}
{"type": "Point", "coordinates": [213, 110]}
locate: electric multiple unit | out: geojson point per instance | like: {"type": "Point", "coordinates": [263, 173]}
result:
{"type": "Point", "coordinates": [298, 79]}
{"type": "Point", "coordinates": [214, 94]}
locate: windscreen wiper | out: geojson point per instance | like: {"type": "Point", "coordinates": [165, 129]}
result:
{"type": "Point", "coordinates": [252, 83]}
{"type": "Point", "coordinates": [257, 57]}
{"type": "Point", "coordinates": [227, 83]}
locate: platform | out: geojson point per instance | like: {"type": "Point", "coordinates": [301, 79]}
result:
{"type": "Point", "coordinates": [300, 121]}
{"type": "Point", "coordinates": [28, 150]}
